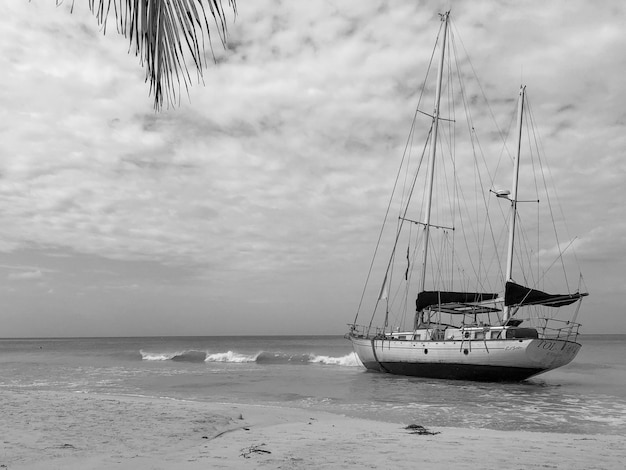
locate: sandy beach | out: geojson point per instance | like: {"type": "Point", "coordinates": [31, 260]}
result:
{"type": "Point", "coordinates": [57, 430]}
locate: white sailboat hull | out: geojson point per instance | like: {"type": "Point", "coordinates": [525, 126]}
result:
{"type": "Point", "coordinates": [490, 360]}
{"type": "Point", "coordinates": [461, 330]}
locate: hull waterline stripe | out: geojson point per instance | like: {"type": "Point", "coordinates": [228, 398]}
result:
{"type": "Point", "coordinates": [382, 368]}
{"type": "Point", "coordinates": [457, 371]}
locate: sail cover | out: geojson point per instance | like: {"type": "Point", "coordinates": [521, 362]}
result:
{"type": "Point", "coordinates": [429, 297]}
{"type": "Point", "coordinates": [515, 294]}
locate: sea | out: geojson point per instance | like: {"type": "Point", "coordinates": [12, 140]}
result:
{"type": "Point", "coordinates": [588, 396]}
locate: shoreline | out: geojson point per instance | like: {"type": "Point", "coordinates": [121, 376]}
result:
{"type": "Point", "coordinates": [69, 430]}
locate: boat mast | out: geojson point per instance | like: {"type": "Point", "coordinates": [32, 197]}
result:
{"type": "Point", "coordinates": [433, 148]}
{"type": "Point", "coordinates": [513, 196]}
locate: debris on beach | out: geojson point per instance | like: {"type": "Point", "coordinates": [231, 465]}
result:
{"type": "Point", "coordinates": [421, 430]}
{"type": "Point", "coordinates": [61, 446]}
{"type": "Point", "coordinates": [248, 451]}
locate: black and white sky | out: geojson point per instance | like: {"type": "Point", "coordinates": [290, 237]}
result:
{"type": "Point", "coordinates": [253, 207]}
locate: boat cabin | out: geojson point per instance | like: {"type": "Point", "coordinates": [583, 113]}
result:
{"type": "Point", "coordinates": [472, 333]}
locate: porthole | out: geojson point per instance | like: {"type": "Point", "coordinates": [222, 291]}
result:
{"type": "Point", "coordinates": [467, 335]}
{"type": "Point", "coordinates": [466, 351]}
{"type": "Point", "coordinates": [425, 351]}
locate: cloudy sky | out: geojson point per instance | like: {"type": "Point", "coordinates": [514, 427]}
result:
{"type": "Point", "coordinates": [254, 206]}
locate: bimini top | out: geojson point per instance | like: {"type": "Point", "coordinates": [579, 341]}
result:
{"type": "Point", "coordinates": [429, 297]}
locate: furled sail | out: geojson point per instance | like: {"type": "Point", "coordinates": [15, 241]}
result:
{"type": "Point", "coordinates": [429, 297]}
{"type": "Point", "coordinates": [515, 294]}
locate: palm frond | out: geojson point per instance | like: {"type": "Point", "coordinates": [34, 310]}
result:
{"type": "Point", "coordinates": [162, 32]}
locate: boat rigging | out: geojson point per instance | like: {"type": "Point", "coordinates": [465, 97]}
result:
{"type": "Point", "coordinates": [466, 322]}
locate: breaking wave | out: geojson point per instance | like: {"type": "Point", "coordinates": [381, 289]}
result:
{"type": "Point", "coordinates": [350, 360]}
{"type": "Point", "coordinates": [263, 357]}
{"type": "Point", "coordinates": [230, 356]}
{"type": "Point", "coordinates": [181, 356]}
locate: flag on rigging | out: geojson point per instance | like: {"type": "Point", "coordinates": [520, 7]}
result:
{"type": "Point", "coordinates": [384, 291]}
{"type": "Point", "coordinates": [408, 265]}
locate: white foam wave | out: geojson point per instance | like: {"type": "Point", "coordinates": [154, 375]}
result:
{"type": "Point", "coordinates": [147, 356]}
{"type": "Point", "coordinates": [230, 356]}
{"type": "Point", "coordinates": [351, 360]}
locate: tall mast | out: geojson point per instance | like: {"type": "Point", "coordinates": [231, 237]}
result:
{"type": "Point", "coordinates": [433, 148]}
{"type": "Point", "coordinates": [513, 196]}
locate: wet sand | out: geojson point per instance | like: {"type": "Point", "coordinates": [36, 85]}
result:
{"type": "Point", "coordinates": [56, 430]}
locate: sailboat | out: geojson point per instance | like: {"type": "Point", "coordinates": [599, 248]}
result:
{"type": "Point", "coordinates": [471, 321]}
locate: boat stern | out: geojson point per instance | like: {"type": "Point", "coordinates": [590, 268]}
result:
{"type": "Point", "coordinates": [552, 353]}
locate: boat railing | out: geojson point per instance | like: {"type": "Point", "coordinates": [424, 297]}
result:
{"type": "Point", "coordinates": [362, 331]}
{"type": "Point", "coordinates": [547, 328]}
{"type": "Point", "coordinates": [551, 328]}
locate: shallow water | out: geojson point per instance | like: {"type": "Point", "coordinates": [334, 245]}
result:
{"type": "Point", "coordinates": [586, 396]}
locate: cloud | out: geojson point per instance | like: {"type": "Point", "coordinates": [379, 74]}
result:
{"type": "Point", "coordinates": [280, 164]}
{"type": "Point", "coordinates": [25, 276]}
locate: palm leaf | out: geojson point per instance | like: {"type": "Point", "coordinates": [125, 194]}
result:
{"type": "Point", "coordinates": [162, 32]}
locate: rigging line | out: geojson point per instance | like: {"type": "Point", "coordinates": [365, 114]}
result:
{"type": "Point", "coordinates": [502, 136]}
{"type": "Point", "coordinates": [525, 264]}
{"type": "Point", "coordinates": [453, 193]}
{"type": "Point", "coordinates": [408, 274]}
{"type": "Point", "coordinates": [406, 208]}
{"type": "Point", "coordinates": [549, 201]}
{"type": "Point", "coordinates": [419, 101]}
{"type": "Point", "coordinates": [503, 150]}
{"type": "Point", "coordinates": [504, 215]}
{"type": "Point", "coordinates": [473, 140]}
{"type": "Point", "coordinates": [541, 274]}
{"type": "Point", "coordinates": [524, 254]}
{"type": "Point", "coordinates": [448, 138]}
{"type": "Point", "coordinates": [399, 318]}
{"type": "Point", "coordinates": [556, 236]}
{"type": "Point", "coordinates": [380, 235]}
{"type": "Point", "coordinates": [488, 224]}
{"type": "Point", "coordinates": [529, 126]}
{"type": "Point", "coordinates": [455, 214]}
{"type": "Point", "coordinates": [409, 139]}
{"type": "Point", "coordinates": [464, 231]}
{"type": "Point", "coordinates": [559, 256]}
{"type": "Point", "coordinates": [438, 263]}
{"type": "Point", "coordinates": [455, 187]}
{"type": "Point", "coordinates": [409, 147]}
{"type": "Point", "coordinates": [451, 134]}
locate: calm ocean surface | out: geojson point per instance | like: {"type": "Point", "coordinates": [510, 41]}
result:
{"type": "Point", "coordinates": [321, 373]}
